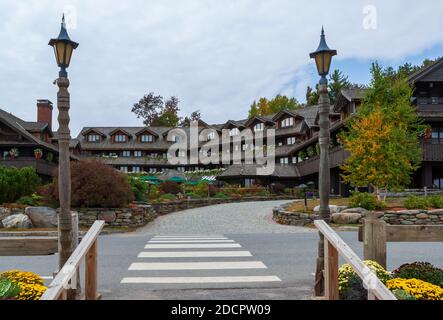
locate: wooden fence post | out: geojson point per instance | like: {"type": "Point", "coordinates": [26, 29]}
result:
{"type": "Point", "coordinates": [331, 272]}
{"type": "Point", "coordinates": [374, 238]}
{"type": "Point", "coordinates": [91, 273]}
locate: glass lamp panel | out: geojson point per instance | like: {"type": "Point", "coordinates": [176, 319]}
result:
{"type": "Point", "coordinates": [68, 54]}
{"type": "Point", "coordinates": [60, 51]}
{"type": "Point", "coordinates": [56, 55]}
{"type": "Point", "coordinates": [319, 63]}
{"type": "Point", "coordinates": [327, 57]}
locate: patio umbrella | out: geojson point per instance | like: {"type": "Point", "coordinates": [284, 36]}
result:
{"type": "Point", "coordinates": [151, 179]}
{"type": "Point", "coordinates": [177, 179]}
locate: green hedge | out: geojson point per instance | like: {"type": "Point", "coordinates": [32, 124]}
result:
{"type": "Point", "coordinates": [16, 183]}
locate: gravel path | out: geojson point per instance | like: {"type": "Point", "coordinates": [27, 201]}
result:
{"type": "Point", "coordinates": [232, 218]}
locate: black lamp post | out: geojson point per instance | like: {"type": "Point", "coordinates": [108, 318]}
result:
{"type": "Point", "coordinates": [323, 57]}
{"type": "Point", "coordinates": [305, 197]}
{"type": "Point", "coordinates": [63, 48]}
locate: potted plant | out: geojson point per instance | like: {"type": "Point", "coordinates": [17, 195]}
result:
{"type": "Point", "coordinates": [38, 153]}
{"type": "Point", "coordinates": [13, 153]}
{"type": "Point", "coordinates": [50, 157]}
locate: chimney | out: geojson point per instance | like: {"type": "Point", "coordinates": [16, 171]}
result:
{"type": "Point", "coordinates": [44, 112]}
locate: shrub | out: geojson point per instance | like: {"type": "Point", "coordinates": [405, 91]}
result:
{"type": "Point", "coordinates": [415, 202]}
{"type": "Point", "coordinates": [170, 187]}
{"type": "Point", "coordinates": [401, 294]}
{"type": "Point", "coordinates": [264, 193]}
{"type": "Point", "coordinates": [153, 192]}
{"type": "Point", "coordinates": [365, 200]}
{"type": "Point", "coordinates": [278, 188]}
{"type": "Point", "coordinates": [8, 288]}
{"type": "Point", "coordinates": [139, 188]}
{"type": "Point", "coordinates": [16, 183]}
{"type": "Point", "coordinates": [421, 290]}
{"type": "Point", "coordinates": [221, 195]}
{"type": "Point", "coordinates": [202, 189]}
{"type": "Point", "coordinates": [97, 185]}
{"type": "Point", "coordinates": [167, 197]}
{"type": "Point", "coordinates": [435, 201]}
{"type": "Point", "coordinates": [31, 285]}
{"type": "Point", "coordinates": [350, 284]}
{"type": "Point", "coordinates": [33, 200]}
{"type": "Point", "coordinates": [420, 270]}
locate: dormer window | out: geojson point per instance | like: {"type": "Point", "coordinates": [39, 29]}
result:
{"type": "Point", "coordinates": [93, 138]}
{"type": "Point", "coordinates": [259, 127]}
{"type": "Point", "coordinates": [147, 138]}
{"type": "Point", "coordinates": [233, 132]}
{"type": "Point", "coordinates": [290, 140]}
{"type": "Point", "coordinates": [211, 136]}
{"type": "Point", "coordinates": [120, 138]}
{"type": "Point", "coordinates": [288, 122]}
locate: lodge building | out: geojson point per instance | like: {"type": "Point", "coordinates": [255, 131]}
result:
{"type": "Point", "coordinates": [145, 149]}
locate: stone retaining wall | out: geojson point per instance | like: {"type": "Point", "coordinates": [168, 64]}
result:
{"type": "Point", "coordinates": [139, 215]}
{"type": "Point", "coordinates": [405, 217]}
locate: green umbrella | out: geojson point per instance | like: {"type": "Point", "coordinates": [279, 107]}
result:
{"type": "Point", "coordinates": [192, 183]}
{"type": "Point", "coordinates": [150, 179]}
{"type": "Point", "coordinates": [177, 179]}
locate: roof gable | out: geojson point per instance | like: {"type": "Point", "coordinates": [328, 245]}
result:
{"type": "Point", "coordinates": [92, 130]}
{"type": "Point", "coordinates": [433, 72]}
{"type": "Point", "coordinates": [146, 130]}
{"type": "Point", "coordinates": [119, 130]}
{"type": "Point", "coordinates": [286, 113]}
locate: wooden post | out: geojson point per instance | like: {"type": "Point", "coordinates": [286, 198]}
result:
{"type": "Point", "coordinates": [91, 273]}
{"type": "Point", "coordinates": [73, 293]}
{"type": "Point", "coordinates": [374, 239]}
{"type": "Point", "coordinates": [331, 272]}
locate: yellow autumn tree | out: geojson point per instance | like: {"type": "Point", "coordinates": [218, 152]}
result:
{"type": "Point", "coordinates": [382, 138]}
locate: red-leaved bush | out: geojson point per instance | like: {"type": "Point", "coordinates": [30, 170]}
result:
{"type": "Point", "coordinates": [96, 185]}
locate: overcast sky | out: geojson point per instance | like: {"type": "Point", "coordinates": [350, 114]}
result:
{"type": "Point", "coordinates": [214, 55]}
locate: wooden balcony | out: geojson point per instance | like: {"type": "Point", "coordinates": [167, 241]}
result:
{"type": "Point", "coordinates": [41, 166]}
{"type": "Point", "coordinates": [432, 149]}
{"type": "Point", "coordinates": [337, 157]}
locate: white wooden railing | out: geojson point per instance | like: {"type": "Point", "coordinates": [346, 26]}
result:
{"type": "Point", "coordinates": [67, 277]}
{"type": "Point", "coordinates": [335, 247]}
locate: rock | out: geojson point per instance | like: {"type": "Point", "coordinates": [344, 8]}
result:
{"type": "Point", "coordinates": [422, 216]}
{"type": "Point", "coordinates": [333, 208]}
{"type": "Point", "coordinates": [346, 217]}
{"type": "Point", "coordinates": [362, 211]}
{"type": "Point", "coordinates": [409, 212]}
{"type": "Point", "coordinates": [107, 217]}
{"type": "Point", "coordinates": [42, 217]}
{"type": "Point", "coordinates": [20, 221]}
{"type": "Point", "coordinates": [406, 222]}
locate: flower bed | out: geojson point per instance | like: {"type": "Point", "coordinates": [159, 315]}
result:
{"type": "Point", "coordinates": [402, 282]}
{"type": "Point", "coordinates": [21, 285]}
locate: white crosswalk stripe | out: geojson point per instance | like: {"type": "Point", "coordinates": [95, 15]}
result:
{"type": "Point", "coordinates": [191, 261]}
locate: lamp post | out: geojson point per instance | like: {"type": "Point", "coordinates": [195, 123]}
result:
{"type": "Point", "coordinates": [323, 57]}
{"type": "Point", "coordinates": [63, 48]}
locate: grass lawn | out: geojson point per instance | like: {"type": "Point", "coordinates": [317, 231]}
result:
{"type": "Point", "coordinates": [299, 205]}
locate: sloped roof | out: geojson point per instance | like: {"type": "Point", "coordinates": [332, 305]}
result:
{"type": "Point", "coordinates": [417, 76]}
{"type": "Point", "coordinates": [251, 170]}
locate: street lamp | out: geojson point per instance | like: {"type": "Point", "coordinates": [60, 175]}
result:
{"type": "Point", "coordinates": [303, 187]}
{"type": "Point", "coordinates": [323, 57]}
{"type": "Point", "coordinates": [63, 48]}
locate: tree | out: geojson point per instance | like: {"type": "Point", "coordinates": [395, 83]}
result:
{"type": "Point", "coordinates": [195, 116]}
{"type": "Point", "coordinates": [337, 81]}
{"type": "Point", "coordinates": [311, 96]}
{"type": "Point", "coordinates": [266, 107]}
{"type": "Point", "coordinates": [383, 135]}
{"type": "Point", "coordinates": [155, 112]}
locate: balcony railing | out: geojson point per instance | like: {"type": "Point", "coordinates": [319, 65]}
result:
{"type": "Point", "coordinates": [432, 149]}
{"type": "Point", "coordinates": [337, 157]}
{"type": "Point", "coordinates": [41, 166]}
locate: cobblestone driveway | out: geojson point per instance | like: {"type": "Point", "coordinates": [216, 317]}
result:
{"type": "Point", "coordinates": [233, 218]}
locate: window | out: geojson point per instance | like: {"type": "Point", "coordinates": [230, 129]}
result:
{"type": "Point", "coordinates": [437, 135]}
{"type": "Point", "coordinates": [211, 136]}
{"type": "Point", "coordinates": [93, 138]}
{"type": "Point", "coordinates": [120, 138]}
{"type": "Point", "coordinates": [154, 155]}
{"type": "Point", "coordinates": [434, 100]}
{"type": "Point", "coordinates": [245, 147]}
{"type": "Point", "coordinates": [136, 169]}
{"type": "Point", "coordinates": [288, 122]}
{"type": "Point", "coordinates": [147, 138]}
{"type": "Point", "coordinates": [175, 138]}
{"type": "Point", "coordinates": [138, 153]}
{"type": "Point", "coordinates": [259, 127]}
{"type": "Point", "coordinates": [181, 169]}
{"type": "Point", "coordinates": [249, 182]}
{"type": "Point", "coordinates": [233, 132]}
{"type": "Point", "coordinates": [124, 169]}
{"type": "Point", "coordinates": [290, 140]}
{"type": "Point", "coordinates": [152, 170]}
{"type": "Point", "coordinates": [284, 161]}
{"type": "Point", "coordinates": [126, 153]}
{"type": "Point", "coordinates": [294, 159]}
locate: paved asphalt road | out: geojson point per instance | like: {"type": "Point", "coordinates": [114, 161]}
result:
{"type": "Point", "coordinates": [245, 256]}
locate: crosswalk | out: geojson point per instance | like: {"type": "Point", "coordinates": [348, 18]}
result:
{"type": "Point", "coordinates": [196, 260]}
